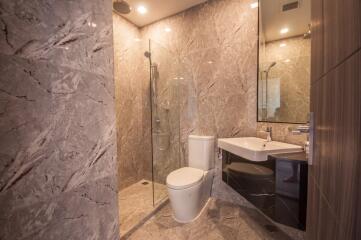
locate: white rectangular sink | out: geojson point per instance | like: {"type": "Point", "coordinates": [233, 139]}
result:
{"type": "Point", "coordinates": [255, 149]}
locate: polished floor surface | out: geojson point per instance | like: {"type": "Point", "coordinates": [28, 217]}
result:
{"type": "Point", "coordinates": [136, 203]}
{"type": "Point", "coordinates": [219, 220]}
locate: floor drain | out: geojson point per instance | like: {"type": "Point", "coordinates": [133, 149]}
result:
{"type": "Point", "coordinates": [271, 228]}
{"type": "Point", "coordinates": [145, 183]}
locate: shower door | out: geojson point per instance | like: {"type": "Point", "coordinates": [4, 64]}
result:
{"type": "Point", "coordinates": [164, 96]}
{"type": "Point", "coordinates": [147, 81]}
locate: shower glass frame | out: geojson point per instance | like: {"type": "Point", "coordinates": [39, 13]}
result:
{"type": "Point", "coordinates": [165, 70]}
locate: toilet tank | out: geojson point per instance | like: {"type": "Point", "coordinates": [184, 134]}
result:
{"type": "Point", "coordinates": [201, 152]}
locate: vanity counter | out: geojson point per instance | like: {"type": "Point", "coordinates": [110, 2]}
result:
{"type": "Point", "coordinates": [277, 187]}
{"type": "Point", "coordinates": [300, 157]}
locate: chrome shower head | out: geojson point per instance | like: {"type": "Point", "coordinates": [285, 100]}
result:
{"type": "Point", "coordinates": [121, 7]}
{"type": "Point", "coordinates": [147, 54]}
{"type": "Point", "coordinates": [271, 66]}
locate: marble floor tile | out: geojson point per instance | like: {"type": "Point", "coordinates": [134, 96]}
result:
{"type": "Point", "coordinates": [219, 220]}
{"type": "Point", "coordinates": [136, 203]}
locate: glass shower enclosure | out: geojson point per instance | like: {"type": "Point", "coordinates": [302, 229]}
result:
{"type": "Point", "coordinates": [165, 124]}
{"type": "Point", "coordinates": [155, 77]}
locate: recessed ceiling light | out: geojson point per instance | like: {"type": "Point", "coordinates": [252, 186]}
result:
{"type": "Point", "coordinates": [210, 62]}
{"type": "Point", "coordinates": [283, 45]}
{"type": "Point", "coordinates": [254, 5]}
{"type": "Point", "coordinates": [167, 29]}
{"type": "Point", "coordinates": [142, 9]}
{"type": "Point", "coordinates": [284, 30]}
{"type": "Point", "coordinates": [137, 39]}
{"type": "Point", "coordinates": [287, 60]}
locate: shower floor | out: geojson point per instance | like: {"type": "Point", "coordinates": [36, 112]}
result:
{"type": "Point", "coordinates": [136, 204]}
{"type": "Point", "coordinates": [220, 220]}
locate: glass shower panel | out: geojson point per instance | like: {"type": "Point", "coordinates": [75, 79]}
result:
{"type": "Point", "coordinates": [164, 88]}
{"type": "Point", "coordinates": [132, 73]}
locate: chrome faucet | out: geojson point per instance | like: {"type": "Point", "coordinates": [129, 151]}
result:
{"type": "Point", "coordinates": [301, 129]}
{"type": "Point", "coordinates": [269, 134]}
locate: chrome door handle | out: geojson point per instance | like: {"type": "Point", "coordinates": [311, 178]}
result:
{"type": "Point", "coordinates": [311, 138]}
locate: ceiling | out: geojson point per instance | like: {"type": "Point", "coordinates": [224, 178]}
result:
{"type": "Point", "coordinates": [274, 19]}
{"type": "Point", "coordinates": [157, 9]}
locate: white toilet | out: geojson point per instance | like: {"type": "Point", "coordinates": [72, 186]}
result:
{"type": "Point", "coordinates": [189, 188]}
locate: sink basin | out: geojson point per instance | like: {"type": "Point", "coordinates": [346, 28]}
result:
{"type": "Point", "coordinates": [255, 149]}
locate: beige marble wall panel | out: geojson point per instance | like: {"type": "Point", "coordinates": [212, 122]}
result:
{"type": "Point", "coordinates": [281, 132]}
{"type": "Point", "coordinates": [131, 74]}
{"type": "Point", "coordinates": [296, 47]}
{"type": "Point", "coordinates": [216, 43]}
{"type": "Point", "coordinates": [165, 106]}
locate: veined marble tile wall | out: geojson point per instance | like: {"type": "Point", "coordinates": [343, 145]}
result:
{"type": "Point", "coordinates": [217, 45]}
{"type": "Point", "coordinates": [57, 121]}
{"type": "Point", "coordinates": [166, 78]}
{"type": "Point", "coordinates": [281, 132]}
{"type": "Point", "coordinates": [131, 74]}
{"type": "Point", "coordinates": [132, 80]}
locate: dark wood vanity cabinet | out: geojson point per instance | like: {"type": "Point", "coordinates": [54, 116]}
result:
{"type": "Point", "coordinates": [277, 187]}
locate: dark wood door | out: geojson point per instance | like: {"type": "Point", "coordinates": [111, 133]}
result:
{"type": "Point", "coordinates": [334, 192]}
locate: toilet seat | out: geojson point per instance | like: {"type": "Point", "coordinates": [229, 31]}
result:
{"type": "Point", "coordinates": [184, 178]}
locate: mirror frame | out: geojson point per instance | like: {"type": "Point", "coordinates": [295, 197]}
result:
{"type": "Point", "coordinates": [258, 33]}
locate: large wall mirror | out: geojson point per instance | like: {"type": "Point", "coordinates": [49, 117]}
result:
{"type": "Point", "coordinates": [284, 61]}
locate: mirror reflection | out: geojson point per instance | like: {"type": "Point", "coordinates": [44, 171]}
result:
{"type": "Point", "coordinates": [284, 61]}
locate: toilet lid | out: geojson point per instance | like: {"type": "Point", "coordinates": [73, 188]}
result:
{"type": "Point", "coordinates": [184, 178]}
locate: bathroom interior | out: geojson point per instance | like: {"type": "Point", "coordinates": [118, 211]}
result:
{"type": "Point", "coordinates": [169, 119]}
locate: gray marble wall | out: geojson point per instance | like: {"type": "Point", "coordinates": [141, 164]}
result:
{"type": "Point", "coordinates": [216, 44]}
{"type": "Point", "coordinates": [166, 111]}
{"type": "Point", "coordinates": [132, 90]}
{"type": "Point", "coordinates": [281, 132]}
{"type": "Point", "coordinates": [131, 75]}
{"type": "Point", "coordinates": [57, 121]}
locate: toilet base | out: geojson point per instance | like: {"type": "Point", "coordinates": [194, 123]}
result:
{"type": "Point", "coordinates": [194, 219]}
{"type": "Point", "coordinates": [187, 204]}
